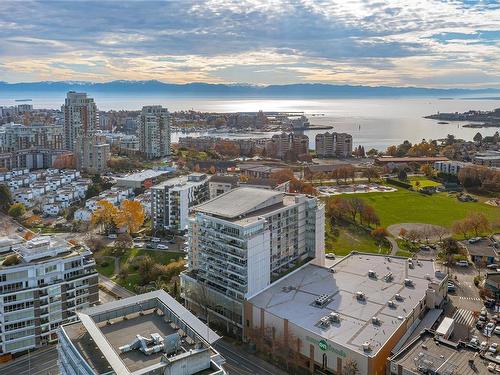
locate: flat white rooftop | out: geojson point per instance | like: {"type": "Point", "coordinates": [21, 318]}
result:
{"type": "Point", "coordinates": [293, 298]}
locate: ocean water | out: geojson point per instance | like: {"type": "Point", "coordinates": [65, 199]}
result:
{"type": "Point", "coordinates": [374, 123]}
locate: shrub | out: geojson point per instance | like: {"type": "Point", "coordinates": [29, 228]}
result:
{"type": "Point", "coordinates": [11, 260]}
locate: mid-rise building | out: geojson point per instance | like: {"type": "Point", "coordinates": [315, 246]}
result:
{"type": "Point", "coordinates": [43, 282]}
{"type": "Point", "coordinates": [220, 184]}
{"type": "Point", "coordinates": [350, 315]}
{"type": "Point", "coordinates": [489, 158]}
{"type": "Point", "coordinates": [172, 199]}
{"type": "Point", "coordinates": [333, 144]}
{"type": "Point", "coordinates": [147, 334]}
{"type": "Point", "coordinates": [92, 153]}
{"type": "Point", "coordinates": [154, 132]}
{"type": "Point", "coordinates": [241, 241]}
{"type": "Point", "coordinates": [80, 117]}
{"type": "Point", "coordinates": [449, 167]}
{"type": "Point", "coordinates": [286, 145]}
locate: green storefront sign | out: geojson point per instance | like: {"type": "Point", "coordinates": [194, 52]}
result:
{"type": "Point", "coordinates": [325, 346]}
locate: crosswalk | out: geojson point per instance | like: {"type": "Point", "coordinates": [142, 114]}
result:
{"type": "Point", "coordinates": [471, 298]}
{"type": "Point", "coordinates": [464, 317]}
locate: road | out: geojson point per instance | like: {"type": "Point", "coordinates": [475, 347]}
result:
{"type": "Point", "coordinates": [42, 361]}
{"type": "Point", "coordinates": [239, 362]}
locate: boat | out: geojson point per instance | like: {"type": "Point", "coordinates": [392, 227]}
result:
{"type": "Point", "coordinates": [442, 122]}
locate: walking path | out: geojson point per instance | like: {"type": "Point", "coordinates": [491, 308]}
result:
{"type": "Point", "coordinates": [394, 245]}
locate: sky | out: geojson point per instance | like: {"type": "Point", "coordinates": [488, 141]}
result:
{"type": "Point", "coordinates": [426, 43]}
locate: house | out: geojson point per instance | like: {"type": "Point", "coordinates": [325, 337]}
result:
{"type": "Point", "coordinates": [82, 214]}
{"type": "Point", "coordinates": [482, 251]}
{"type": "Point", "coordinates": [492, 282]}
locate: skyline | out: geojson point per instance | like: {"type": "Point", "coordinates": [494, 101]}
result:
{"type": "Point", "coordinates": [436, 44]}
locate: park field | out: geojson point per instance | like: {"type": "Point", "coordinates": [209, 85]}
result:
{"type": "Point", "coordinates": [405, 206]}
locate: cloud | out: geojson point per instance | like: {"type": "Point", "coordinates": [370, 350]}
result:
{"type": "Point", "coordinates": [397, 42]}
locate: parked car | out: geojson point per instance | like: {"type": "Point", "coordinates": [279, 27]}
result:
{"type": "Point", "coordinates": [474, 341]}
{"type": "Point", "coordinates": [480, 324]}
{"type": "Point", "coordinates": [112, 236]}
{"type": "Point", "coordinates": [493, 266]}
{"type": "Point", "coordinates": [489, 302]}
{"type": "Point", "coordinates": [451, 287]}
{"type": "Point", "coordinates": [462, 263]}
{"type": "Point", "coordinates": [493, 348]}
{"type": "Point", "coordinates": [483, 345]}
{"type": "Point", "coordinates": [425, 248]}
{"type": "Point", "coordinates": [162, 246]}
{"type": "Point", "coordinates": [155, 239]}
{"type": "Point", "coordinates": [497, 330]}
{"type": "Point", "coordinates": [330, 256]}
{"type": "Point", "coordinates": [20, 229]}
{"type": "Point", "coordinates": [491, 367]}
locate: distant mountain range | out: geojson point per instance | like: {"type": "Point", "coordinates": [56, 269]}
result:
{"type": "Point", "coordinates": [234, 90]}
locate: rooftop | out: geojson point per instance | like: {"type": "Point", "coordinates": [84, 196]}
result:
{"type": "Point", "coordinates": [249, 200]}
{"type": "Point", "coordinates": [293, 298]}
{"type": "Point", "coordinates": [483, 247]}
{"type": "Point", "coordinates": [433, 354]}
{"type": "Point", "coordinates": [103, 331]}
{"type": "Point", "coordinates": [141, 176]}
{"type": "Point", "coordinates": [181, 182]}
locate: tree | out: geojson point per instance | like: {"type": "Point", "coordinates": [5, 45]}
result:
{"type": "Point", "coordinates": [417, 184]}
{"type": "Point", "coordinates": [105, 215]}
{"type": "Point", "coordinates": [379, 233]}
{"type": "Point", "coordinates": [370, 173]}
{"type": "Point", "coordinates": [33, 220]}
{"type": "Point", "coordinates": [123, 242]}
{"type": "Point", "coordinates": [131, 215]}
{"type": "Point", "coordinates": [403, 233]}
{"type": "Point", "coordinates": [450, 247]}
{"type": "Point", "coordinates": [391, 150]}
{"type": "Point", "coordinates": [369, 216]}
{"type": "Point", "coordinates": [5, 197]}
{"type": "Point", "coordinates": [478, 222]}
{"type": "Point", "coordinates": [372, 152]}
{"type": "Point", "coordinates": [354, 207]}
{"type": "Point", "coordinates": [402, 175]}
{"type": "Point", "coordinates": [478, 138]}
{"type": "Point", "coordinates": [17, 210]}
{"type": "Point", "coordinates": [350, 367]}
{"type": "Point", "coordinates": [11, 260]}
{"type": "Point", "coordinates": [427, 170]}
{"type": "Point", "coordinates": [461, 227]}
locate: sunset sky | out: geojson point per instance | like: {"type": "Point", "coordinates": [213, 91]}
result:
{"type": "Point", "coordinates": [426, 43]}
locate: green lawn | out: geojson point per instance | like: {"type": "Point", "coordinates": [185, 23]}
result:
{"type": "Point", "coordinates": [405, 206]}
{"type": "Point", "coordinates": [163, 257]}
{"type": "Point", "coordinates": [403, 253]}
{"type": "Point", "coordinates": [424, 182]}
{"type": "Point", "coordinates": [108, 270]}
{"type": "Point", "coordinates": [351, 238]}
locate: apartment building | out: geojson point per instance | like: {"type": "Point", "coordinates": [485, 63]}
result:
{"type": "Point", "coordinates": [243, 240]}
{"type": "Point", "coordinates": [449, 167]}
{"type": "Point", "coordinates": [147, 334]}
{"type": "Point", "coordinates": [172, 200]}
{"type": "Point", "coordinates": [43, 282]}
{"type": "Point", "coordinates": [92, 153]}
{"type": "Point", "coordinates": [154, 132]}
{"type": "Point", "coordinates": [333, 144]}
{"type": "Point", "coordinates": [17, 137]}
{"type": "Point", "coordinates": [80, 117]}
{"type": "Point", "coordinates": [286, 144]}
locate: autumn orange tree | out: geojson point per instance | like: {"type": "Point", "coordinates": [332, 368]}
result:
{"type": "Point", "coordinates": [131, 215]}
{"type": "Point", "coordinates": [105, 215]}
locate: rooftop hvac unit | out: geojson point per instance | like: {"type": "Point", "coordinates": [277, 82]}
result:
{"type": "Point", "coordinates": [360, 296]}
{"type": "Point", "coordinates": [334, 317]}
{"type": "Point", "coordinates": [372, 274]}
{"type": "Point", "coordinates": [391, 303]}
{"type": "Point", "coordinates": [389, 277]}
{"type": "Point", "coordinates": [398, 297]}
{"type": "Point", "coordinates": [427, 276]}
{"type": "Point", "coordinates": [366, 346]}
{"type": "Point", "coordinates": [322, 300]}
{"type": "Point", "coordinates": [376, 321]}
{"type": "Point", "coordinates": [324, 321]}
{"type": "Point", "coordinates": [408, 282]}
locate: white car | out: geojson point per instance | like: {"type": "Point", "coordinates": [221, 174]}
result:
{"type": "Point", "coordinates": [112, 236]}
{"type": "Point", "coordinates": [162, 246]}
{"type": "Point", "coordinates": [155, 239]}
{"type": "Point", "coordinates": [462, 263]}
{"type": "Point", "coordinates": [483, 345]}
{"type": "Point", "coordinates": [493, 348]}
{"type": "Point", "coordinates": [497, 330]}
{"type": "Point", "coordinates": [330, 256]}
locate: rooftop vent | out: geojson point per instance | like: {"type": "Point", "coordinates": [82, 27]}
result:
{"type": "Point", "coordinates": [376, 321]}
{"type": "Point", "coordinates": [324, 321]}
{"type": "Point", "coordinates": [372, 274]}
{"type": "Point", "coordinates": [408, 282]}
{"type": "Point", "coordinates": [367, 347]}
{"type": "Point", "coordinates": [322, 300]}
{"type": "Point", "coordinates": [388, 277]}
{"type": "Point", "coordinates": [391, 303]}
{"type": "Point", "coordinates": [398, 297]}
{"type": "Point", "coordinates": [334, 317]}
{"type": "Point", "coordinates": [360, 296]}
